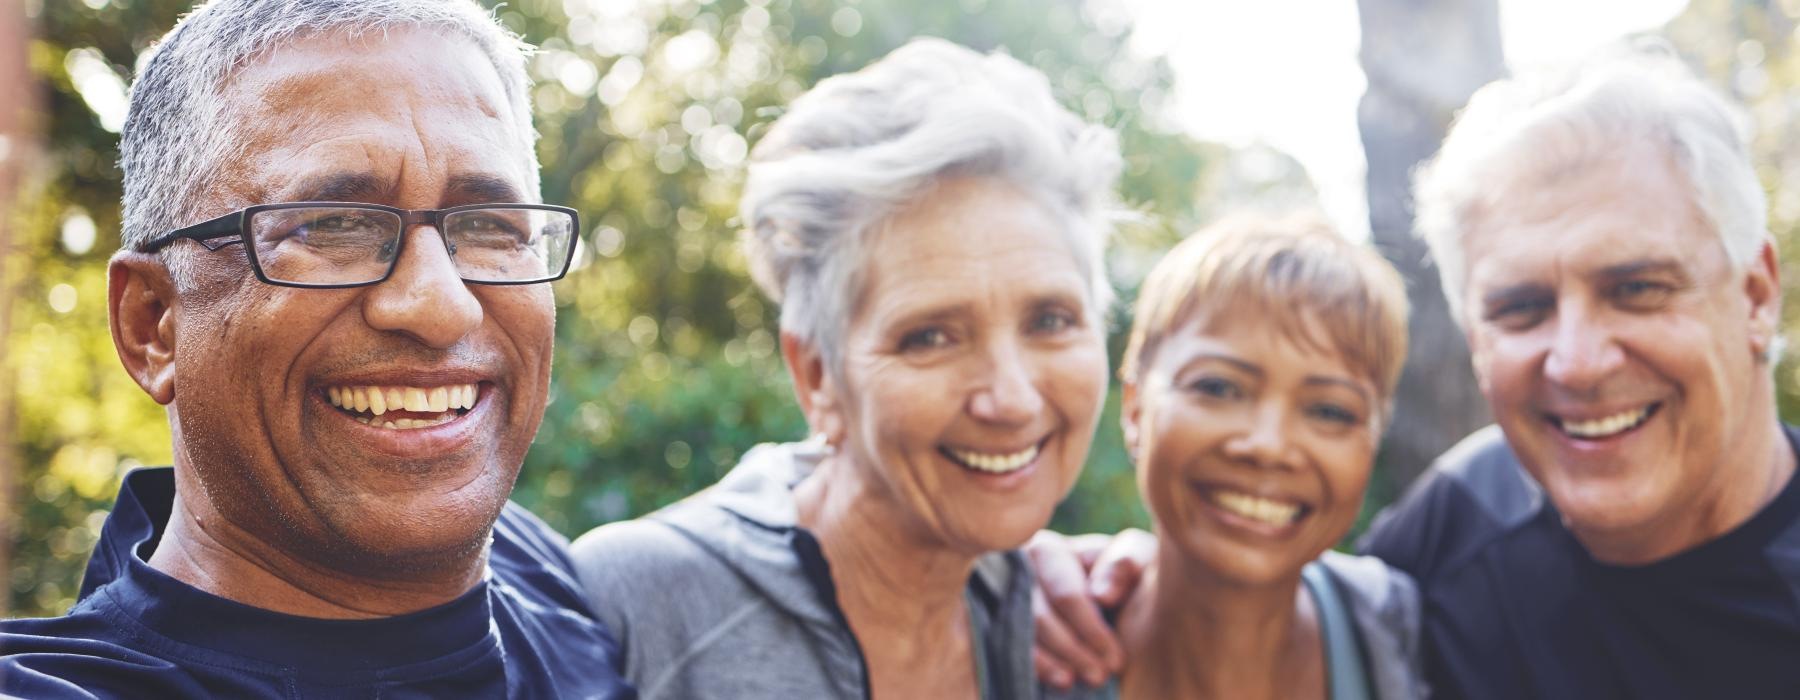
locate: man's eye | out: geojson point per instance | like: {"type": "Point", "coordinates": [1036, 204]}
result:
{"type": "Point", "coordinates": [1215, 388]}
{"type": "Point", "coordinates": [336, 231]}
{"type": "Point", "coordinates": [1052, 322]}
{"type": "Point", "coordinates": [924, 339]}
{"type": "Point", "coordinates": [1641, 294]}
{"type": "Point", "coordinates": [1518, 315]}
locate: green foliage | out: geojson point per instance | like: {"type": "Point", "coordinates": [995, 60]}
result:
{"type": "Point", "coordinates": [666, 366]}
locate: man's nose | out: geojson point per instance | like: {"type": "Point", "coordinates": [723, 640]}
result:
{"type": "Point", "coordinates": [425, 297]}
{"type": "Point", "coordinates": [1010, 395]}
{"type": "Point", "coordinates": [1583, 350]}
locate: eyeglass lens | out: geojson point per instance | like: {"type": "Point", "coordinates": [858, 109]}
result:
{"type": "Point", "coordinates": [348, 245]}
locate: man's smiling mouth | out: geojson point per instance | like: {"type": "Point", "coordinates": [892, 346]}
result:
{"type": "Point", "coordinates": [404, 407]}
{"type": "Point", "coordinates": [1606, 426]}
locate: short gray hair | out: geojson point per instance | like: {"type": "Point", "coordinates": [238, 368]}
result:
{"type": "Point", "coordinates": [858, 146]}
{"type": "Point", "coordinates": [1569, 118]}
{"type": "Point", "coordinates": [176, 135]}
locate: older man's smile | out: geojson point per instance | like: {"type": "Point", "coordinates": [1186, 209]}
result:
{"type": "Point", "coordinates": [1601, 427]}
{"type": "Point", "coordinates": [415, 413]}
{"type": "Point", "coordinates": [404, 407]}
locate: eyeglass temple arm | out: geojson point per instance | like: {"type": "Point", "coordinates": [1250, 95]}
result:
{"type": "Point", "coordinates": [226, 225]}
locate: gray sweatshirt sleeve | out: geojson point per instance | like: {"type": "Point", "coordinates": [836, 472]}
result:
{"type": "Point", "coordinates": [653, 587]}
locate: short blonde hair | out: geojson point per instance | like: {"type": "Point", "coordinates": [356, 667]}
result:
{"type": "Point", "coordinates": [1295, 274]}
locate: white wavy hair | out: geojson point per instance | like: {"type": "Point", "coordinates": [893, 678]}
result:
{"type": "Point", "coordinates": [177, 135]}
{"type": "Point", "coordinates": [1542, 125]}
{"type": "Point", "coordinates": [854, 149]}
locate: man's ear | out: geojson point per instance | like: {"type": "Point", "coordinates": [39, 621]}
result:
{"type": "Point", "coordinates": [1129, 412]}
{"type": "Point", "coordinates": [1762, 287]}
{"type": "Point", "coordinates": [140, 298]}
{"type": "Point", "coordinates": [1478, 351]}
{"type": "Point", "coordinates": [814, 388]}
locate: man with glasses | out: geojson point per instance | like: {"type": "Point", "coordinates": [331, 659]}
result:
{"type": "Point", "coordinates": [353, 345]}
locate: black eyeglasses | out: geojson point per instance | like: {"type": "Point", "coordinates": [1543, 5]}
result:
{"type": "Point", "coordinates": [333, 245]}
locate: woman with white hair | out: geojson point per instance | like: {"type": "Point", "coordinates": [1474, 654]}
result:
{"type": "Point", "coordinates": [932, 228]}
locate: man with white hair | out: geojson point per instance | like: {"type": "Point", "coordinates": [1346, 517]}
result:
{"type": "Point", "coordinates": [1631, 528]}
{"type": "Point", "coordinates": [333, 276]}
{"type": "Point", "coordinates": [1603, 244]}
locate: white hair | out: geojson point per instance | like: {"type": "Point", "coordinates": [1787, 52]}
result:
{"type": "Point", "coordinates": [177, 135]}
{"type": "Point", "coordinates": [858, 146]}
{"type": "Point", "coordinates": [1560, 121]}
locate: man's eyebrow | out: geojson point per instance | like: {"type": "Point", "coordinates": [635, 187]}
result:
{"type": "Point", "coordinates": [343, 187]}
{"type": "Point", "coordinates": [1511, 295]}
{"type": "Point", "coordinates": [481, 189]}
{"type": "Point", "coordinates": [1639, 267]}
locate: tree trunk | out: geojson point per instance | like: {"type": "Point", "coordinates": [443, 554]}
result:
{"type": "Point", "coordinates": [1423, 59]}
{"type": "Point", "coordinates": [17, 147]}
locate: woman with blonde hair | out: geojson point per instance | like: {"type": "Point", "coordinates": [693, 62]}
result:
{"type": "Point", "coordinates": [1259, 376]}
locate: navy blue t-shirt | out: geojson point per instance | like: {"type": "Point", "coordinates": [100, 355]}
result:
{"type": "Point", "coordinates": [524, 632]}
{"type": "Point", "coordinates": [1516, 608]}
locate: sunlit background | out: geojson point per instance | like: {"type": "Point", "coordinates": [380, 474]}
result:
{"type": "Point", "coordinates": [666, 368]}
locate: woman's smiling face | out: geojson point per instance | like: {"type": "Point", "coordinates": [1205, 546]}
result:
{"type": "Point", "coordinates": [1253, 447]}
{"type": "Point", "coordinates": [974, 366]}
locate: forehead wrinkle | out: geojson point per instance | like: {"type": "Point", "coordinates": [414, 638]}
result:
{"type": "Point", "coordinates": [458, 86]}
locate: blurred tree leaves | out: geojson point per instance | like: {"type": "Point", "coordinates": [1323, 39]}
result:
{"type": "Point", "coordinates": [666, 369]}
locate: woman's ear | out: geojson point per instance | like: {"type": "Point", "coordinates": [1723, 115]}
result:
{"type": "Point", "coordinates": [814, 388]}
{"type": "Point", "coordinates": [1129, 412]}
{"type": "Point", "coordinates": [140, 298]}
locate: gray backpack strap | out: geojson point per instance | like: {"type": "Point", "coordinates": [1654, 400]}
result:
{"type": "Point", "coordinates": [1346, 671]}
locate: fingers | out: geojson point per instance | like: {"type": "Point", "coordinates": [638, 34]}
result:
{"type": "Point", "coordinates": [1070, 626]}
{"type": "Point", "coordinates": [1060, 659]}
{"type": "Point", "coordinates": [1088, 547]}
{"type": "Point", "coordinates": [1116, 570]}
{"type": "Point", "coordinates": [1050, 671]}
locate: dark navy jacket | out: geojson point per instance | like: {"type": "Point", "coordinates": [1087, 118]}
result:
{"type": "Point", "coordinates": [1515, 608]}
{"type": "Point", "coordinates": [524, 632]}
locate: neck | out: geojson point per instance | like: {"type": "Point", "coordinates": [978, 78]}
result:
{"type": "Point", "coordinates": [1190, 633]}
{"type": "Point", "coordinates": [206, 551]}
{"type": "Point", "coordinates": [902, 594]}
{"type": "Point", "coordinates": [1750, 475]}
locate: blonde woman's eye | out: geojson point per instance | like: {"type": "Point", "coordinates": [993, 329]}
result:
{"type": "Point", "coordinates": [1215, 388]}
{"type": "Point", "coordinates": [1335, 414]}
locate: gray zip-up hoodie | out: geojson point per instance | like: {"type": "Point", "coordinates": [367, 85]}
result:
{"type": "Point", "coordinates": [723, 595]}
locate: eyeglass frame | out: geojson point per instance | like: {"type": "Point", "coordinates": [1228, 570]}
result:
{"type": "Point", "coordinates": [237, 223]}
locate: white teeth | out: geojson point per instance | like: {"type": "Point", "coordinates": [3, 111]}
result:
{"type": "Point", "coordinates": [1256, 508]}
{"type": "Point", "coordinates": [373, 401]}
{"type": "Point", "coordinates": [1605, 427]}
{"type": "Point", "coordinates": [415, 399]}
{"type": "Point", "coordinates": [995, 464]}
